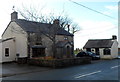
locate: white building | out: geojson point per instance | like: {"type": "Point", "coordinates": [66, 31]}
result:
{"type": "Point", "coordinates": [106, 48]}
{"type": "Point", "coordinates": [119, 27]}
{"type": "Point", "coordinates": [8, 50]}
{"type": "Point", "coordinates": [0, 50]}
{"type": "Point", "coordinates": [26, 39]}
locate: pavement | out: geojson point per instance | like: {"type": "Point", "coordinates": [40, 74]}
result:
{"type": "Point", "coordinates": [11, 69]}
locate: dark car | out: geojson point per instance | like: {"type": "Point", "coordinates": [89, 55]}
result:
{"type": "Point", "coordinates": [81, 54]}
{"type": "Point", "coordinates": [93, 55]}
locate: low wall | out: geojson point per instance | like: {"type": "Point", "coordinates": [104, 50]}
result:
{"type": "Point", "coordinates": [55, 63]}
{"type": "Point", "coordinates": [22, 60]}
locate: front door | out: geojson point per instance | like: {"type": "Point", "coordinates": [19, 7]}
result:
{"type": "Point", "coordinates": [68, 51]}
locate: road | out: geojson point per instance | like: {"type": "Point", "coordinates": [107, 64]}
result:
{"type": "Point", "coordinates": [98, 70]}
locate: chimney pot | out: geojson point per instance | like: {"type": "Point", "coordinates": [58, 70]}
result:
{"type": "Point", "coordinates": [114, 37]}
{"type": "Point", "coordinates": [56, 21]}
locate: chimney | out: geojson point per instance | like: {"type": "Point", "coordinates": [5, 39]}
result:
{"type": "Point", "coordinates": [14, 16]}
{"type": "Point", "coordinates": [56, 21]}
{"type": "Point", "coordinates": [114, 37]}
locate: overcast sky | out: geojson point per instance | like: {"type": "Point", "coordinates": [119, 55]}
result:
{"type": "Point", "coordinates": [93, 25]}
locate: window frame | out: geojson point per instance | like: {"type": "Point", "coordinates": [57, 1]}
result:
{"type": "Point", "coordinates": [7, 52]}
{"type": "Point", "coordinates": [107, 51]}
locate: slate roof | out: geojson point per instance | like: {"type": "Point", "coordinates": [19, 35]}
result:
{"type": "Point", "coordinates": [30, 26]}
{"type": "Point", "coordinates": [99, 43]}
{"type": "Point", "coordinates": [61, 44]}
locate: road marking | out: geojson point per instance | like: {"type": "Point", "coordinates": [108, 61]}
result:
{"type": "Point", "coordinates": [115, 66]}
{"type": "Point", "coordinates": [88, 74]}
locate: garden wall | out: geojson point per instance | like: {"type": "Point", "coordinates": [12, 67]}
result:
{"type": "Point", "coordinates": [56, 63]}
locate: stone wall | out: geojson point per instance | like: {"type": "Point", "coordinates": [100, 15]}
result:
{"type": "Point", "coordinates": [56, 63]}
{"type": "Point", "coordinates": [46, 41]}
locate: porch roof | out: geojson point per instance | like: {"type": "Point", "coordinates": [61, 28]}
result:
{"type": "Point", "coordinates": [61, 44]}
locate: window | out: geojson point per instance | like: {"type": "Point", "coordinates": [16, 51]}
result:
{"type": "Point", "coordinates": [88, 49]}
{"type": "Point", "coordinates": [38, 52]}
{"type": "Point", "coordinates": [37, 43]}
{"type": "Point", "coordinates": [6, 52]}
{"type": "Point", "coordinates": [65, 38]}
{"type": "Point", "coordinates": [107, 51]}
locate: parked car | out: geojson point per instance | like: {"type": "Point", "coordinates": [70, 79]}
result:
{"type": "Point", "coordinates": [88, 54]}
{"type": "Point", "coordinates": [81, 54]}
{"type": "Point", "coordinates": [93, 55]}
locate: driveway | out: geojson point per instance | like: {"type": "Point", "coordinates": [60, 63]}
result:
{"type": "Point", "coordinates": [10, 69]}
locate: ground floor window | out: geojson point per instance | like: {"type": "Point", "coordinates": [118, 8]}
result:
{"type": "Point", "coordinates": [6, 52]}
{"type": "Point", "coordinates": [88, 49]}
{"type": "Point", "coordinates": [107, 51]}
{"type": "Point", "coordinates": [38, 52]}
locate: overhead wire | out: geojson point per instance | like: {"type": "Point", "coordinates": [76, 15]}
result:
{"type": "Point", "coordinates": [92, 9]}
{"type": "Point", "coordinates": [96, 12]}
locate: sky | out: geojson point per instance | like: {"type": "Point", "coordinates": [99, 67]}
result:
{"type": "Point", "coordinates": [93, 25]}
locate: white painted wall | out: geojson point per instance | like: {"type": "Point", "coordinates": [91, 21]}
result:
{"type": "Point", "coordinates": [119, 24]}
{"type": "Point", "coordinates": [119, 37]}
{"type": "Point", "coordinates": [101, 52]}
{"type": "Point", "coordinates": [20, 44]}
{"type": "Point", "coordinates": [114, 50]}
{"type": "Point", "coordinates": [0, 52]}
{"type": "Point", "coordinates": [11, 45]}
{"type": "Point", "coordinates": [102, 56]}
{"type": "Point", "coordinates": [119, 33]}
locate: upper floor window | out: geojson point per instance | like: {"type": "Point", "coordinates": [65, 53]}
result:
{"type": "Point", "coordinates": [65, 38]}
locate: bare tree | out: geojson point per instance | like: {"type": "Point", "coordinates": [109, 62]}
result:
{"type": "Point", "coordinates": [74, 28]}
{"type": "Point", "coordinates": [33, 14]}
{"type": "Point", "coordinates": [64, 22]}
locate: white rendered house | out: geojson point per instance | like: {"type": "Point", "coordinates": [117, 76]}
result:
{"type": "Point", "coordinates": [25, 39]}
{"type": "Point", "coordinates": [106, 48]}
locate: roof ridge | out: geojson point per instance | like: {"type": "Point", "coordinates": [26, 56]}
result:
{"type": "Point", "coordinates": [32, 21]}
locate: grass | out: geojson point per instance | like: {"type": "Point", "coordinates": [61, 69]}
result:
{"type": "Point", "coordinates": [76, 52]}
